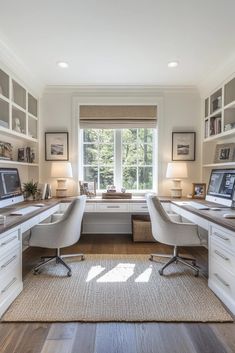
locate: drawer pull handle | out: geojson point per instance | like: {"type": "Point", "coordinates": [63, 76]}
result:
{"type": "Point", "coordinates": [144, 206]}
{"type": "Point", "coordinates": [8, 241]}
{"type": "Point", "coordinates": [221, 280]}
{"type": "Point", "coordinates": [113, 206]}
{"type": "Point", "coordinates": [9, 285]}
{"type": "Point", "coordinates": [221, 255]}
{"type": "Point", "coordinates": [8, 262]}
{"type": "Point", "coordinates": [221, 236]}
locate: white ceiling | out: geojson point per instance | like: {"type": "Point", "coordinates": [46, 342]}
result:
{"type": "Point", "coordinates": [119, 41]}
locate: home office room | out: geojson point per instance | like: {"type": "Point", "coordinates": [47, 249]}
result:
{"type": "Point", "coordinates": [117, 176]}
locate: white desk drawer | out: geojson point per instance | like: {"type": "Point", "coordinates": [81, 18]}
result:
{"type": "Point", "coordinates": [222, 278]}
{"type": "Point", "coordinates": [222, 256]}
{"type": "Point", "coordinates": [112, 207]}
{"type": "Point", "coordinates": [90, 207]}
{"type": "Point", "coordinates": [8, 241]}
{"type": "Point", "coordinates": [224, 236]}
{"type": "Point", "coordinates": [9, 280]}
{"type": "Point", "coordinates": [139, 207]}
{"type": "Point", "coordinates": [11, 260]}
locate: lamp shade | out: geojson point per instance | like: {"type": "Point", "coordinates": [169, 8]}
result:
{"type": "Point", "coordinates": [61, 170]}
{"type": "Point", "coordinates": [177, 170]}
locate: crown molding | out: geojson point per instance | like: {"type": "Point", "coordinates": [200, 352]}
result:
{"type": "Point", "coordinates": [120, 90]}
{"type": "Point", "coordinates": [217, 76]}
{"type": "Point", "coordinates": [12, 64]}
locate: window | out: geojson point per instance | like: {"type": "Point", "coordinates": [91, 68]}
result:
{"type": "Point", "coordinates": [120, 157]}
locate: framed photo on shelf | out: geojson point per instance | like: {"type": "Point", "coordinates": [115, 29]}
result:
{"type": "Point", "coordinates": [224, 152]}
{"type": "Point", "coordinates": [56, 146]}
{"type": "Point", "coordinates": [183, 146]}
{"type": "Point", "coordinates": [87, 188]}
{"type": "Point", "coordinates": [199, 191]}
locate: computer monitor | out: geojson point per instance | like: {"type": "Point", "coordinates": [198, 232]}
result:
{"type": "Point", "coordinates": [10, 187]}
{"type": "Point", "coordinates": [221, 186]}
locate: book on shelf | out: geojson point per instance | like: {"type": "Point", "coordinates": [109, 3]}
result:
{"type": "Point", "coordinates": [215, 126]}
{"type": "Point", "coordinates": [26, 154]}
{"type": "Point", "coordinates": [206, 128]}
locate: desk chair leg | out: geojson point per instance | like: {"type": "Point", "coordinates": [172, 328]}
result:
{"type": "Point", "coordinates": [74, 255]}
{"type": "Point", "coordinates": [159, 255]}
{"type": "Point", "coordinates": [173, 259]}
{"type": "Point", "coordinates": [193, 267]}
{"type": "Point", "coordinates": [49, 259]}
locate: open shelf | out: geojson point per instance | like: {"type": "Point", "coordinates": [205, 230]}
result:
{"type": "Point", "coordinates": [4, 161]}
{"type": "Point", "coordinates": [225, 164]}
{"type": "Point", "coordinates": [4, 84]}
{"type": "Point", "coordinates": [18, 94]}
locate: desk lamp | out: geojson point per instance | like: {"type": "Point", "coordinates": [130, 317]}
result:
{"type": "Point", "coordinates": [176, 172]}
{"type": "Point", "coordinates": [61, 171]}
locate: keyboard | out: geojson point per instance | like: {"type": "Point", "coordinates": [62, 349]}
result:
{"type": "Point", "coordinates": [24, 211]}
{"type": "Point", "coordinates": [198, 205]}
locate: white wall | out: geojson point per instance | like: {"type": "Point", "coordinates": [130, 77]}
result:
{"type": "Point", "coordinates": [182, 112]}
{"type": "Point", "coordinates": [179, 111]}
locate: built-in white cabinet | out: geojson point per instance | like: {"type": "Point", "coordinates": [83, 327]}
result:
{"type": "Point", "coordinates": [18, 126]}
{"type": "Point", "coordinates": [222, 264]}
{"type": "Point", "coordinates": [218, 128]}
{"type": "Point", "coordinates": [219, 111]}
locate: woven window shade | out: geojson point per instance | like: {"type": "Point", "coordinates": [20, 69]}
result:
{"type": "Point", "coordinates": [118, 116]}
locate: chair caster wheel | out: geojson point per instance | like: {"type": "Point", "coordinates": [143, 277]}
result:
{"type": "Point", "coordinates": [82, 258]}
{"type": "Point", "coordinates": [151, 258]}
{"type": "Point", "coordinates": [69, 274]}
{"type": "Point", "coordinates": [35, 272]}
{"type": "Point", "coordinates": [160, 272]}
{"type": "Point", "coordinates": [196, 274]}
{"type": "Point", "coordinates": [194, 263]}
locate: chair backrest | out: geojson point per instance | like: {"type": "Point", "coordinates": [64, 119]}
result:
{"type": "Point", "coordinates": [166, 230]}
{"type": "Point", "coordinates": [160, 221]}
{"type": "Point", "coordinates": [69, 226]}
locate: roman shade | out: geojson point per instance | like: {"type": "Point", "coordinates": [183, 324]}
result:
{"type": "Point", "coordinates": [118, 116]}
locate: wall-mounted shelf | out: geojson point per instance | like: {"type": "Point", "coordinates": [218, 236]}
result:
{"type": "Point", "coordinates": [18, 109]}
{"type": "Point", "coordinates": [4, 161]}
{"type": "Point", "coordinates": [225, 164]}
{"type": "Point", "coordinates": [17, 134]}
{"type": "Point", "coordinates": [19, 126]}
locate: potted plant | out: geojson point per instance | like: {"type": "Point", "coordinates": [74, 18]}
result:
{"type": "Point", "coordinates": [30, 190]}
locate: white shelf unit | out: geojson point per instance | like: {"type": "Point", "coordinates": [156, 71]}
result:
{"type": "Point", "coordinates": [218, 125]}
{"type": "Point", "coordinates": [19, 124]}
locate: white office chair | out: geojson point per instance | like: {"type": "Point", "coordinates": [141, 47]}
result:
{"type": "Point", "coordinates": [60, 234]}
{"type": "Point", "coordinates": [167, 231]}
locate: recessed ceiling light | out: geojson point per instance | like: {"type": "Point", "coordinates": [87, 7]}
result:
{"type": "Point", "coordinates": [63, 64]}
{"type": "Point", "coordinates": [173, 64]}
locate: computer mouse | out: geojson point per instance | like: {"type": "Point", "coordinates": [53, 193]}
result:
{"type": "Point", "coordinates": [229, 215]}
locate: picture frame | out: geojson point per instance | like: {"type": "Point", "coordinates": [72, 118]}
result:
{"type": "Point", "coordinates": [183, 146]}
{"type": "Point", "coordinates": [56, 146]}
{"type": "Point", "coordinates": [87, 188]}
{"type": "Point", "coordinates": [199, 191]}
{"type": "Point", "coordinates": [224, 152]}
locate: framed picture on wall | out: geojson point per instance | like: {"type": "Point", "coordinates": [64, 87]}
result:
{"type": "Point", "coordinates": [183, 146]}
{"type": "Point", "coordinates": [56, 146]}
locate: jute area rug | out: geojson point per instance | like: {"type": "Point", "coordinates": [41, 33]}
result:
{"type": "Point", "coordinates": [116, 288]}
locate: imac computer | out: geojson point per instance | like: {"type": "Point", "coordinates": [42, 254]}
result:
{"type": "Point", "coordinates": [221, 187]}
{"type": "Point", "coordinates": [10, 187]}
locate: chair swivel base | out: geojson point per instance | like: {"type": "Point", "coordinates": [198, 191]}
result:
{"type": "Point", "coordinates": [58, 259]}
{"type": "Point", "coordinates": [176, 258]}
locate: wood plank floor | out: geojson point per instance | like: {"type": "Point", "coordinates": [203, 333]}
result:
{"type": "Point", "coordinates": [116, 337]}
